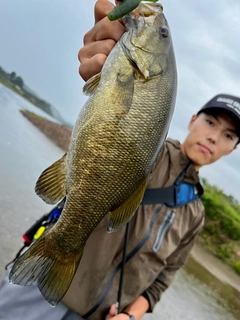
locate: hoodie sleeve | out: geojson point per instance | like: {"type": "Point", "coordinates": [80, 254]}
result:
{"type": "Point", "coordinates": [174, 262]}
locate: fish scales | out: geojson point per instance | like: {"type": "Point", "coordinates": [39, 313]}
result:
{"type": "Point", "coordinates": [114, 146]}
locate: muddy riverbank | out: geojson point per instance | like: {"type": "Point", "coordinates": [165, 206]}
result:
{"type": "Point", "coordinates": [58, 133]}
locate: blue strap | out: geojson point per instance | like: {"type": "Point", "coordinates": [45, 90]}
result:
{"type": "Point", "coordinates": [178, 194]}
{"type": "Point", "coordinates": [173, 196]}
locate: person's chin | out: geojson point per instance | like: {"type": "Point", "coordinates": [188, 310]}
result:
{"type": "Point", "coordinates": [200, 160]}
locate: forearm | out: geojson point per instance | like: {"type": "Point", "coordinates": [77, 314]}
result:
{"type": "Point", "coordinates": [138, 307]}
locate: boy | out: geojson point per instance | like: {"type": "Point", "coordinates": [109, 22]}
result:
{"type": "Point", "coordinates": [161, 234]}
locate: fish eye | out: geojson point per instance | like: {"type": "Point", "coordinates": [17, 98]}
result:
{"type": "Point", "coordinates": [164, 32]}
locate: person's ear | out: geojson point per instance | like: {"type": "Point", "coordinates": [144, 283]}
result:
{"type": "Point", "coordinates": [194, 117]}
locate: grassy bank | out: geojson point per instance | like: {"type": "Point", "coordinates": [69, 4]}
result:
{"type": "Point", "coordinates": [11, 86]}
{"type": "Point", "coordinates": [27, 95]}
{"type": "Point", "coordinates": [16, 84]}
{"type": "Point", "coordinates": [221, 232]}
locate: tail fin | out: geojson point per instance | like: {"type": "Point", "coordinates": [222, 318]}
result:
{"type": "Point", "coordinates": [52, 273]}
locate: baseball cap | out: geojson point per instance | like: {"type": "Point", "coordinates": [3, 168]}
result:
{"type": "Point", "coordinates": [226, 102]}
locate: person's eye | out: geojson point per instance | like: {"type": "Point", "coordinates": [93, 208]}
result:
{"type": "Point", "coordinates": [229, 136]}
{"type": "Point", "coordinates": [209, 122]}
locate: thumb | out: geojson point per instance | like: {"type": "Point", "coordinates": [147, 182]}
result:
{"type": "Point", "coordinates": [111, 312]}
{"type": "Point", "coordinates": [113, 309]}
{"type": "Point", "coordinates": [101, 9]}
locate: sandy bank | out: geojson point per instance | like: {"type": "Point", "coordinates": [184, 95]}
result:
{"type": "Point", "coordinates": [58, 133]}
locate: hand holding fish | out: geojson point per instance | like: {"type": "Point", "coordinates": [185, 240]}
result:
{"type": "Point", "coordinates": [99, 41]}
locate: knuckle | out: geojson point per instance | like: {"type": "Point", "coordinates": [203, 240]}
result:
{"type": "Point", "coordinates": [87, 37]}
{"type": "Point", "coordinates": [110, 45]}
{"type": "Point", "coordinates": [82, 71]}
{"type": "Point", "coordinates": [98, 62]}
{"type": "Point", "coordinates": [105, 22]}
{"type": "Point", "coordinates": [81, 55]}
{"type": "Point", "coordinates": [103, 29]}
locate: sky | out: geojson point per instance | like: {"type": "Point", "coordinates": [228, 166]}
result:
{"type": "Point", "coordinates": [40, 40]}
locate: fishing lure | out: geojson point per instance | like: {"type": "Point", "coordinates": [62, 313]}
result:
{"type": "Point", "coordinates": [124, 7]}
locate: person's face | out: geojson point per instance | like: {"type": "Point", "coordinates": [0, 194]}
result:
{"type": "Point", "coordinates": [210, 137]}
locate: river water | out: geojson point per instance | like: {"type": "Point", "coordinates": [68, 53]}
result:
{"type": "Point", "coordinates": [25, 153]}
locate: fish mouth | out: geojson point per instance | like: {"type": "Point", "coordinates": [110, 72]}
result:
{"type": "Point", "coordinates": [146, 11]}
{"type": "Point", "coordinates": [149, 9]}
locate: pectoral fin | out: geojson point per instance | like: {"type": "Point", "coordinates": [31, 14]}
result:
{"type": "Point", "coordinates": [91, 85]}
{"type": "Point", "coordinates": [51, 185]}
{"type": "Point", "coordinates": [126, 211]}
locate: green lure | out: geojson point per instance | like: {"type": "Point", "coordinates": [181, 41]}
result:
{"type": "Point", "coordinates": [124, 7]}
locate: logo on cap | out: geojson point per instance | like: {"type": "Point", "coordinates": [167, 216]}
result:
{"type": "Point", "coordinates": [233, 104]}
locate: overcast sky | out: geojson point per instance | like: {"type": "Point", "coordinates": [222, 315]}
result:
{"type": "Point", "coordinates": [39, 40]}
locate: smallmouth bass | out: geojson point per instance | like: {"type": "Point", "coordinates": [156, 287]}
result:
{"type": "Point", "coordinates": [114, 146]}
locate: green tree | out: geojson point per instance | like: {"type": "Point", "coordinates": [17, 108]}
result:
{"type": "Point", "coordinates": [12, 76]}
{"type": "Point", "coordinates": [18, 81]}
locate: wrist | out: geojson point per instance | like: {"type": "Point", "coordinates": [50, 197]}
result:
{"type": "Point", "coordinates": [131, 317]}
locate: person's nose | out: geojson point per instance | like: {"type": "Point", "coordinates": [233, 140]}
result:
{"type": "Point", "coordinates": [213, 137]}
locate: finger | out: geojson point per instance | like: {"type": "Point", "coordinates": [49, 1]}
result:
{"type": "Point", "coordinates": [101, 9]}
{"type": "Point", "coordinates": [93, 48]}
{"type": "Point", "coordinates": [113, 309]}
{"type": "Point", "coordinates": [92, 66]}
{"type": "Point", "coordinates": [109, 30]}
{"type": "Point", "coordinates": [111, 312]}
{"type": "Point", "coordinates": [104, 29]}
{"type": "Point", "coordinates": [108, 316]}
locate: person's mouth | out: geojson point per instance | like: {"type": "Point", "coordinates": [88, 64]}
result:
{"type": "Point", "coordinates": [205, 149]}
